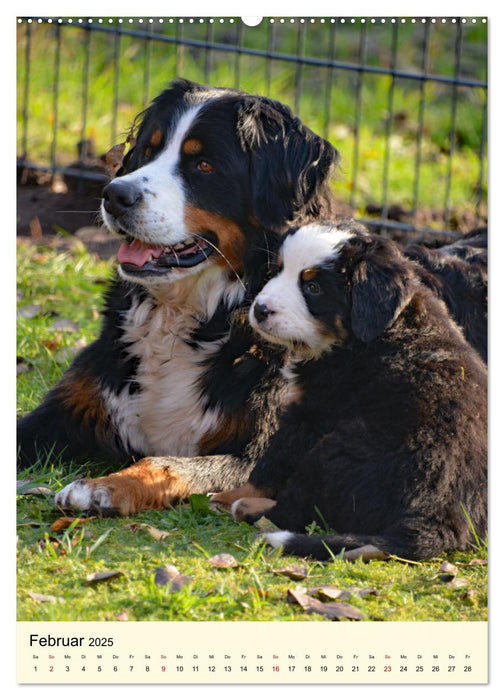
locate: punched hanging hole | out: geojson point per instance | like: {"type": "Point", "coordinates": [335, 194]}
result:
{"type": "Point", "coordinates": [252, 21]}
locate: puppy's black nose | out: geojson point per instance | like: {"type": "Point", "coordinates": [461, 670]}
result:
{"type": "Point", "coordinates": [119, 196]}
{"type": "Point", "coordinates": [261, 312]}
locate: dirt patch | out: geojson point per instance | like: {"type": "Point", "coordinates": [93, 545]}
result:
{"type": "Point", "coordinates": [58, 217]}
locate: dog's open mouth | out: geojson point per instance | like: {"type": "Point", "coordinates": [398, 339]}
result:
{"type": "Point", "coordinates": [140, 258]}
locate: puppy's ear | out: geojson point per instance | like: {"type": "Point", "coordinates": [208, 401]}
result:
{"type": "Point", "coordinates": [289, 164]}
{"type": "Point", "coordinates": [382, 285]}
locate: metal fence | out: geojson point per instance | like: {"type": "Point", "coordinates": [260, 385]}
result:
{"type": "Point", "coordinates": [403, 99]}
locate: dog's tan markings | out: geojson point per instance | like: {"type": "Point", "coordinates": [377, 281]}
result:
{"type": "Point", "coordinates": [81, 396]}
{"type": "Point", "coordinates": [231, 240]}
{"type": "Point", "coordinates": [192, 147]}
{"type": "Point", "coordinates": [236, 427]}
{"type": "Point", "coordinates": [252, 508]}
{"type": "Point", "coordinates": [225, 499]}
{"type": "Point", "coordinates": [142, 486]}
{"type": "Point", "coordinates": [341, 333]}
{"type": "Point", "coordinates": [309, 274]}
{"type": "Point", "coordinates": [156, 137]}
{"type": "Point", "coordinates": [114, 158]}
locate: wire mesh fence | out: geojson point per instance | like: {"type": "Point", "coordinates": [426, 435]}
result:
{"type": "Point", "coordinates": [403, 100]}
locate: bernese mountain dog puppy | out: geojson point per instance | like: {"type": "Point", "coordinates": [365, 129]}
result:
{"type": "Point", "coordinates": [385, 440]}
{"type": "Point", "coordinates": [458, 273]}
{"type": "Point", "coordinates": [213, 179]}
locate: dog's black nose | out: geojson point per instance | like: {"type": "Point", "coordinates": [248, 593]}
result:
{"type": "Point", "coordinates": [120, 196]}
{"type": "Point", "coordinates": [261, 312]}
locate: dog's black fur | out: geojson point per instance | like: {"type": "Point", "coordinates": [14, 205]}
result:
{"type": "Point", "coordinates": [457, 273]}
{"type": "Point", "coordinates": [269, 170]}
{"type": "Point", "coordinates": [271, 173]}
{"type": "Point", "coordinates": [387, 443]}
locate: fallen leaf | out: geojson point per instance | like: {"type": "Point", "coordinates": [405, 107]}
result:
{"type": "Point", "coordinates": [64, 324]}
{"type": "Point", "coordinates": [65, 522]}
{"type": "Point", "coordinates": [296, 573]}
{"type": "Point", "coordinates": [102, 576]}
{"type": "Point", "coordinates": [478, 562]}
{"type": "Point", "coordinates": [122, 616]}
{"type": "Point", "coordinates": [153, 531]}
{"type": "Point", "coordinates": [41, 598]}
{"type": "Point", "coordinates": [334, 611]}
{"type": "Point", "coordinates": [20, 483]}
{"type": "Point", "coordinates": [38, 491]}
{"type": "Point", "coordinates": [448, 568]}
{"type": "Point", "coordinates": [35, 229]}
{"type": "Point", "coordinates": [114, 157]}
{"type": "Point", "coordinates": [447, 572]}
{"type": "Point", "coordinates": [258, 592]}
{"type": "Point", "coordinates": [171, 577]}
{"type": "Point", "coordinates": [223, 561]}
{"type": "Point", "coordinates": [328, 593]}
{"type": "Point", "coordinates": [470, 593]}
{"type": "Point", "coordinates": [366, 553]}
{"type": "Point", "coordinates": [458, 583]}
{"type": "Point", "coordinates": [30, 311]}
{"type": "Point", "coordinates": [53, 343]}
{"type": "Point", "coordinates": [265, 525]}
{"type": "Point", "coordinates": [363, 592]}
{"type": "Point", "coordinates": [157, 534]}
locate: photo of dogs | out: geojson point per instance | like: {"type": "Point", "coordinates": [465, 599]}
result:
{"type": "Point", "coordinates": [181, 387]}
{"type": "Point", "coordinates": [252, 347]}
{"type": "Point", "coordinates": [385, 440]}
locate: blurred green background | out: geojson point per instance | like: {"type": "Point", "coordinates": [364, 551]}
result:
{"type": "Point", "coordinates": [405, 143]}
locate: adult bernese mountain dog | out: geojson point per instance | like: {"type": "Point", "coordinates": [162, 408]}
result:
{"type": "Point", "coordinates": [385, 440]}
{"type": "Point", "coordinates": [213, 179]}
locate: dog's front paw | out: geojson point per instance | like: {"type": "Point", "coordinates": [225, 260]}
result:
{"type": "Point", "coordinates": [149, 483]}
{"type": "Point", "coordinates": [87, 495]}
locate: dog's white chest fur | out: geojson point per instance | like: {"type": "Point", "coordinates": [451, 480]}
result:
{"type": "Point", "coordinates": [166, 416]}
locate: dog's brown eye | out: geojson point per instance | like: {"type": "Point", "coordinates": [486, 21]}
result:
{"type": "Point", "coordinates": [205, 167]}
{"type": "Point", "coordinates": [313, 288]}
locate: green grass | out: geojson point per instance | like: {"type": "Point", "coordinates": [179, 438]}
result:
{"type": "Point", "coordinates": [64, 287]}
{"type": "Point", "coordinates": [57, 563]}
{"type": "Point", "coordinates": [359, 132]}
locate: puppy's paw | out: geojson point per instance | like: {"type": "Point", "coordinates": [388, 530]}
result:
{"type": "Point", "coordinates": [250, 510]}
{"type": "Point", "coordinates": [226, 499]}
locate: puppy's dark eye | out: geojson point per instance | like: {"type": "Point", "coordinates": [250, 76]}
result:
{"type": "Point", "coordinates": [312, 288]}
{"type": "Point", "coordinates": [205, 167]}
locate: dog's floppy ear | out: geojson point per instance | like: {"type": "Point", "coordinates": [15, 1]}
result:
{"type": "Point", "coordinates": [382, 285]}
{"type": "Point", "coordinates": [289, 164]}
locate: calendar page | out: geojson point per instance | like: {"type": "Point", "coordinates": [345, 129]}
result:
{"type": "Point", "coordinates": [204, 495]}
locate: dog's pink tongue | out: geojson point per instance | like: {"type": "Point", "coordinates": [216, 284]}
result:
{"type": "Point", "coordinates": [138, 252]}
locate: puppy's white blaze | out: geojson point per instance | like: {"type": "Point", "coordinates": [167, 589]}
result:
{"type": "Point", "coordinates": [290, 320]}
{"type": "Point", "coordinates": [159, 218]}
{"type": "Point", "coordinates": [310, 246]}
{"type": "Point", "coordinates": [278, 539]}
